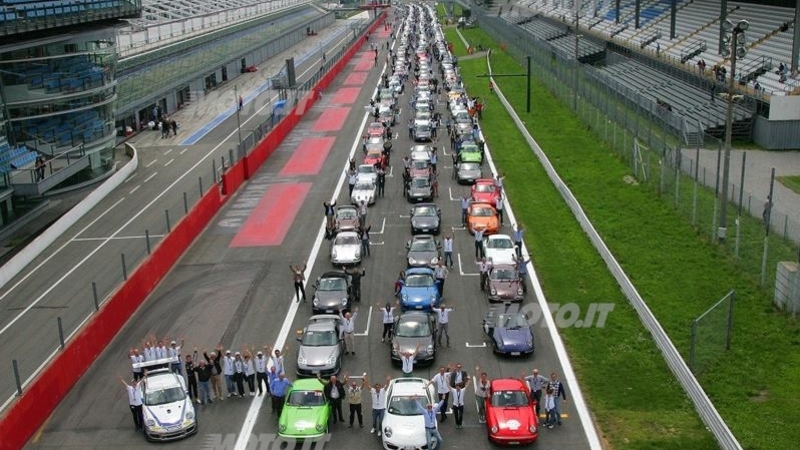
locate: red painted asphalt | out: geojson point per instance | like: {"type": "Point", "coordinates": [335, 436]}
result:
{"type": "Point", "coordinates": [308, 157]}
{"type": "Point", "coordinates": [272, 219]}
{"type": "Point", "coordinates": [365, 64]}
{"type": "Point", "coordinates": [356, 79]}
{"type": "Point", "coordinates": [345, 96]}
{"type": "Point", "coordinates": [331, 119]}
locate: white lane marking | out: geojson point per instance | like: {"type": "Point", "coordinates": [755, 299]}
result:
{"type": "Point", "coordinates": [383, 226]}
{"type": "Point", "coordinates": [369, 320]}
{"type": "Point", "coordinates": [482, 345]}
{"type": "Point", "coordinates": [453, 199]}
{"type": "Point", "coordinates": [167, 152]}
{"type": "Point", "coordinates": [461, 268]}
{"type": "Point", "coordinates": [117, 238]}
{"type": "Point", "coordinates": [150, 177]}
{"type": "Point", "coordinates": [130, 177]}
{"type": "Point", "coordinates": [403, 216]}
{"type": "Point", "coordinates": [184, 151]}
{"type": "Point", "coordinates": [252, 413]}
{"type": "Point", "coordinates": [151, 163]}
{"type": "Point", "coordinates": [134, 189]}
{"type": "Point", "coordinates": [389, 175]}
{"type": "Point", "coordinates": [376, 243]}
{"type": "Point", "coordinates": [169, 162]}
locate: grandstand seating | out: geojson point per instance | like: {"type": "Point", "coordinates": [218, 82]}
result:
{"type": "Point", "coordinates": [66, 130]}
{"type": "Point", "coordinates": [15, 157]}
{"type": "Point", "coordinates": [67, 74]}
{"type": "Point", "coordinates": [26, 9]}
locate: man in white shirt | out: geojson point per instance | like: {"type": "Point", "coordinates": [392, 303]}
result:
{"type": "Point", "coordinates": [458, 403]}
{"type": "Point", "coordinates": [447, 246]}
{"type": "Point", "coordinates": [228, 370]}
{"type": "Point", "coordinates": [499, 206]}
{"type": "Point", "coordinates": [238, 373]}
{"type": "Point", "coordinates": [135, 402]}
{"type": "Point", "coordinates": [348, 330]}
{"type": "Point", "coordinates": [442, 321]}
{"type": "Point", "coordinates": [440, 275]}
{"type": "Point", "coordinates": [442, 382]}
{"type": "Point", "coordinates": [484, 267]}
{"type": "Point", "coordinates": [479, 244]}
{"type": "Point", "coordinates": [261, 372]}
{"type": "Point", "coordinates": [161, 351]}
{"type": "Point", "coordinates": [387, 314]}
{"type": "Point", "coordinates": [464, 207]}
{"type": "Point", "coordinates": [277, 361]}
{"type": "Point", "coordinates": [136, 358]}
{"type": "Point", "coordinates": [481, 393]}
{"type": "Point", "coordinates": [174, 351]}
{"type": "Point", "coordinates": [149, 352]}
{"type": "Point", "coordinates": [378, 393]}
{"type": "Point", "coordinates": [407, 361]}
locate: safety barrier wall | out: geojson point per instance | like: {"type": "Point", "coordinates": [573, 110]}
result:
{"type": "Point", "coordinates": [42, 396]}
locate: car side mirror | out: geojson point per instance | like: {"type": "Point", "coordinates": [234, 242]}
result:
{"type": "Point", "coordinates": [408, 245]}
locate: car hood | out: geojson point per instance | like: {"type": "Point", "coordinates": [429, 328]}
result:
{"type": "Point", "coordinates": [330, 298]}
{"type": "Point", "coordinates": [317, 356]}
{"type": "Point", "coordinates": [169, 414]}
{"type": "Point", "coordinates": [423, 257]}
{"type": "Point", "coordinates": [406, 430]}
{"type": "Point", "coordinates": [424, 221]}
{"type": "Point", "coordinates": [511, 420]}
{"type": "Point", "coordinates": [513, 337]}
{"type": "Point", "coordinates": [409, 344]}
{"type": "Point", "coordinates": [505, 288]}
{"type": "Point", "coordinates": [469, 174]}
{"type": "Point", "coordinates": [302, 419]}
{"type": "Point", "coordinates": [502, 256]}
{"type": "Point", "coordinates": [348, 224]}
{"type": "Point", "coordinates": [419, 191]}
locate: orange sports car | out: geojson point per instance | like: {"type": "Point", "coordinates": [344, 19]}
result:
{"type": "Point", "coordinates": [482, 216]}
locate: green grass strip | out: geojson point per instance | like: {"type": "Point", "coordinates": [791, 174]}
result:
{"type": "Point", "coordinates": [631, 393]}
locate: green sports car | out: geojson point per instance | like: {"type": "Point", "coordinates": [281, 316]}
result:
{"type": "Point", "coordinates": [470, 153]}
{"type": "Point", "coordinates": [306, 411]}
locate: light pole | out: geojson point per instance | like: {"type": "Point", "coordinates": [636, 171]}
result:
{"type": "Point", "coordinates": [734, 41]}
{"type": "Point", "coordinates": [239, 105]}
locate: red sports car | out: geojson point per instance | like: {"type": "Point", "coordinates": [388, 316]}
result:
{"type": "Point", "coordinates": [485, 190]}
{"type": "Point", "coordinates": [510, 415]}
{"type": "Point", "coordinates": [250, 69]}
{"type": "Point", "coordinates": [375, 129]}
{"type": "Point", "coordinates": [373, 157]}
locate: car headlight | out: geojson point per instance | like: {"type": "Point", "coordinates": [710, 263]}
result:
{"type": "Point", "coordinates": [495, 429]}
{"type": "Point", "coordinates": [532, 429]}
{"type": "Point", "coordinates": [387, 431]}
{"type": "Point", "coordinates": [281, 427]}
{"type": "Point", "coordinates": [520, 291]}
{"type": "Point", "coordinates": [529, 343]}
{"type": "Point", "coordinates": [320, 427]}
{"type": "Point", "coordinates": [189, 415]}
{"type": "Point", "coordinates": [333, 254]}
{"type": "Point", "coordinates": [331, 359]}
{"type": "Point", "coordinates": [301, 359]}
{"type": "Point", "coordinates": [344, 301]}
{"type": "Point", "coordinates": [150, 422]}
{"type": "Point", "coordinates": [494, 291]}
{"type": "Point", "coordinates": [434, 260]}
{"type": "Point", "coordinates": [405, 297]}
{"type": "Point", "coordinates": [430, 349]}
{"type": "Point", "coordinates": [316, 301]}
{"type": "Point", "coordinates": [412, 261]}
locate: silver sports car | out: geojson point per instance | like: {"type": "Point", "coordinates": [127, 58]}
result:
{"type": "Point", "coordinates": [320, 351]}
{"type": "Point", "coordinates": [346, 249]}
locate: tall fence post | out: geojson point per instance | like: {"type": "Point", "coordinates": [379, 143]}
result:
{"type": "Point", "coordinates": [17, 380]}
{"type": "Point", "coordinates": [200, 181]}
{"type": "Point", "coordinates": [60, 332]}
{"type": "Point", "coordinates": [124, 267]}
{"type": "Point", "coordinates": [730, 321]}
{"type": "Point", "coordinates": [693, 345]}
{"type": "Point", "coordinates": [739, 209]}
{"type": "Point", "coordinates": [147, 239]}
{"type": "Point", "coordinates": [94, 294]}
{"type": "Point", "coordinates": [185, 204]}
{"type": "Point", "coordinates": [214, 170]}
{"type": "Point", "coordinates": [169, 225]}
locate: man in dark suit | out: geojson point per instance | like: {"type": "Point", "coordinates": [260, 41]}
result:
{"type": "Point", "coordinates": [334, 392]}
{"type": "Point", "coordinates": [459, 375]}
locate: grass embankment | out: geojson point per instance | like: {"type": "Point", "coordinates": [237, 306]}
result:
{"type": "Point", "coordinates": [630, 391]}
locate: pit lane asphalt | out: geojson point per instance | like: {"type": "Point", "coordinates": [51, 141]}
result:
{"type": "Point", "coordinates": [241, 296]}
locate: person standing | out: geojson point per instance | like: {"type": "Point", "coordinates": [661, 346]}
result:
{"type": "Point", "coordinates": [381, 181]}
{"type": "Point", "coordinates": [559, 392]}
{"type": "Point", "coordinates": [458, 376]}
{"type": "Point", "coordinates": [481, 393]}
{"type": "Point", "coordinates": [440, 275]}
{"type": "Point", "coordinates": [442, 383]}
{"type": "Point", "coordinates": [536, 383]}
{"type": "Point", "coordinates": [203, 371]}
{"type": "Point", "coordinates": [174, 353]}
{"type": "Point", "coordinates": [250, 373]}
{"type": "Point", "coordinates": [550, 409]}
{"type": "Point", "coordinates": [355, 281]}
{"type": "Point", "coordinates": [429, 415]}
{"type": "Point", "coordinates": [348, 330]}
{"type": "Point", "coordinates": [457, 393]}
{"type": "Point", "coordinates": [334, 391]}
{"type": "Point", "coordinates": [135, 398]}
{"type": "Point", "coordinates": [299, 278]}
{"type": "Point", "coordinates": [238, 373]}
{"type": "Point", "coordinates": [216, 374]}
{"type": "Point", "coordinates": [277, 360]}
{"type": "Point", "coordinates": [354, 399]}
{"type": "Point", "coordinates": [519, 230]}
{"type": "Point", "coordinates": [522, 271]}
{"type": "Point", "coordinates": [365, 235]}
{"type": "Point", "coordinates": [362, 214]}
{"type": "Point", "coordinates": [149, 352]}
{"type": "Point", "coordinates": [352, 177]}
{"type": "Point", "coordinates": [434, 160]}
{"type": "Point", "coordinates": [442, 324]}
{"type": "Point", "coordinates": [499, 206]}
{"type": "Point", "coordinates": [387, 313]}
{"type": "Point", "coordinates": [228, 370]}
{"type": "Point", "coordinates": [447, 246]}
{"type": "Point", "coordinates": [407, 361]}
{"type": "Point", "coordinates": [484, 267]}
{"type": "Point", "coordinates": [330, 214]}
{"type": "Point", "coordinates": [136, 361]}
{"type": "Point", "coordinates": [261, 372]}
{"type": "Point", "coordinates": [479, 244]}
{"type": "Point", "coordinates": [464, 209]}
{"type": "Point", "coordinates": [191, 377]}
{"type": "Point", "coordinates": [279, 387]}
{"type": "Point", "coordinates": [378, 393]}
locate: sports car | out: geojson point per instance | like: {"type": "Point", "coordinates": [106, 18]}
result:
{"type": "Point", "coordinates": [467, 172]}
{"type": "Point", "coordinates": [425, 218]}
{"type": "Point", "coordinates": [396, 84]}
{"type": "Point", "coordinates": [500, 249]}
{"type": "Point", "coordinates": [306, 411]}
{"type": "Point", "coordinates": [419, 291]}
{"type": "Point", "coordinates": [485, 190]}
{"type": "Point", "coordinates": [346, 249]}
{"type": "Point", "coordinates": [403, 424]}
{"type": "Point", "coordinates": [420, 168]}
{"type": "Point", "coordinates": [347, 218]}
{"type": "Point", "coordinates": [482, 216]}
{"type": "Point", "coordinates": [320, 351]}
{"type": "Point", "coordinates": [331, 293]}
{"type": "Point", "coordinates": [367, 172]}
{"type": "Point", "coordinates": [373, 143]}
{"type": "Point", "coordinates": [374, 156]}
{"type": "Point", "coordinates": [420, 190]}
{"type": "Point", "coordinates": [387, 115]}
{"type": "Point", "coordinates": [421, 152]}
{"type": "Point", "coordinates": [167, 411]}
{"type": "Point", "coordinates": [510, 417]}
{"type": "Point", "coordinates": [509, 330]}
{"type": "Point", "coordinates": [423, 251]}
{"type": "Point", "coordinates": [470, 153]}
{"type": "Point", "coordinates": [422, 132]}
{"type": "Point", "coordinates": [364, 191]}
{"type": "Point", "coordinates": [505, 284]}
{"type": "Point", "coordinates": [414, 330]}
{"type": "Point", "coordinates": [376, 129]}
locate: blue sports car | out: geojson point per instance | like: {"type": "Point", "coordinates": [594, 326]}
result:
{"type": "Point", "coordinates": [419, 291]}
{"type": "Point", "coordinates": [509, 330]}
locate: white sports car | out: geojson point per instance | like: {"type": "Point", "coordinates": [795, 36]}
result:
{"type": "Point", "coordinates": [364, 191]}
{"type": "Point", "coordinates": [367, 173]}
{"type": "Point", "coordinates": [403, 424]}
{"type": "Point", "coordinates": [500, 249]}
{"type": "Point", "coordinates": [168, 411]}
{"type": "Point", "coordinates": [346, 249]}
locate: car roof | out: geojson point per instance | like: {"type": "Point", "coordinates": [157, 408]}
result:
{"type": "Point", "coordinates": [425, 205]}
{"type": "Point", "coordinates": [419, 270]}
{"type": "Point", "coordinates": [497, 237]}
{"type": "Point", "coordinates": [408, 386]}
{"type": "Point", "coordinates": [345, 207]}
{"type": "Point", "coordinates": [422, 237]}
{"type": "Point", "coordinates": [307, 384]}
{"type": "Point", "coordinates": [322, 325]}
{"type": "Point", "coordinates": [507, 384]}
{"type": "Point", "coordinates": [334, 274]}
{"type": "Point", "coordinates": [346, 234]}
{"type": "Point", "coordinates": [161, 379]}
{"type": "Point", "coordinates": [481, 204]}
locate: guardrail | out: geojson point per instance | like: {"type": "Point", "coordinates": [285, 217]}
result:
{"type": "Point", "coordinates": [708, 413]}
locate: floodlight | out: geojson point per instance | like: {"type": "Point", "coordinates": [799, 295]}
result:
{"type": "Point", "coordinates": [741, 52]}
{"type": "Point", "coordinates": [727, 25]}
{"type": "Point", "coordinates": [743, 25]}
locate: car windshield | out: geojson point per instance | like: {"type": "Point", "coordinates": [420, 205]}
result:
{"type": "Point", "coordinates": [332, 284]}
{"type": "Point", "coordinates": [374, 154]}
{"type": "Point", "coordinates": [500, 243]}
{"type": "Point", "coordinates": [470, 149]}
{"type": "Point", "coordinates": [386, 112]}
{"type": "Point", "coordinates": [512, 321]}
{"type": "Point", "coordinates": [366, 169]}
{"type": "Point", "coordinates": [419, 280]}
{"type": "Point", "coordinates": [420, 182]}
{"type": "Point", "coordinates": [484, 187]}
{"type": "Point", "coordinates": [164, 396]}
{"type": "Point", "coordinates": [406, 405]}
{"type": "Point", "coordinates": [346, 214]}
{"type": "Point", "coordinates": [419, 164]}
{"type": "Point", "coordinates": [503, 274]}
{"type": "Point", "coordinates": [469, 166]}
{"type": "Point", "coordinates": [412, 328]}
{"type": "Point", "coordinates": [482, 212]}
{"type": "Point", "coordinates": [423, 128]}
{"type": "Point", "coordinates": [426, 211]}
{"type": "Point", "coordinates": [423, 245]}
{"type": "Point", "coordinates": [320, 338]}
{"type": "Point", "coordinates": [306, 398]}
{"type": "Point", "coordinates": [509, 398]}
{"type": "Point", "coordinates": [347, 240]}
{"type": "Point", "coordinates": [364, 186]}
